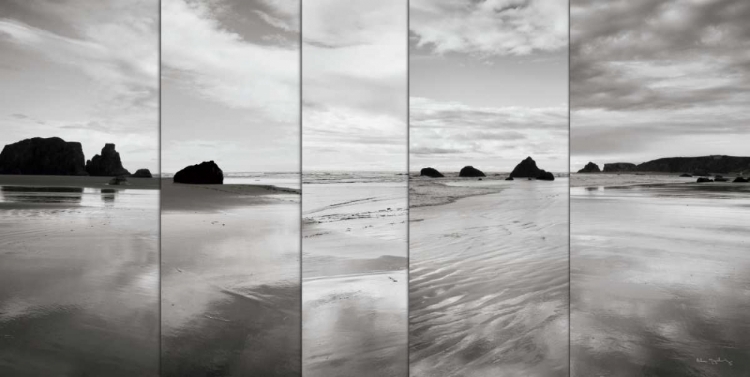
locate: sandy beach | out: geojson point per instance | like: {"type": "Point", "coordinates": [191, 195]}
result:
{"type": "Point", "coordinates": [79, 276]}
{"type": "Point", "coordinates": [488, 293]}
{"type": "Point", "coordinates": [354, 288]}
{"type": "Point", "coordinates": [230, 280]}
{"type": "Point", "coordinates": [660, 277]}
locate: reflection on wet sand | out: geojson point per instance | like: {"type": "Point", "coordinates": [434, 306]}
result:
{"type": "Point", "coordinates": [660, 277]}
{"type": "Point", "coordinates": [78, 282]}
{"type": "Point", "coordinates": [230, 281]}
{"type": "Point", "coordinates": [354, 275]}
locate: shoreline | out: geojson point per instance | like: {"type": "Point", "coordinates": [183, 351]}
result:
{"type": "Point", "coordinates": [77, 181]}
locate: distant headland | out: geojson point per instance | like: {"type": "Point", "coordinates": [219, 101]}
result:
{"type": "Point", "coordinates": [703, 165]}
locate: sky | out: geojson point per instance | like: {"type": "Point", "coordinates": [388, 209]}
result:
{"type": "Point", "coordinates": [354, 85]}
{"type": "Point", "coordinates": [653, 79]}
{"type": "Point", "coordinates": [488, 84]}
{"type": "Point", "coordinates": [230, 84]}
{"type": "Point", "coordinates": [82, 71]}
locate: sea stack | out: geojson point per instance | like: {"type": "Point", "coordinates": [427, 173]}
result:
{"type": "Point", "coordinates": [107, 164]}
{"type": "Point", "coordinates": [590, 168]}
{"type": "Point", "coordinates": [526, 169]}
{"type": "Point", "coordinates": [43, 156]}
{"type": "Point", "coordinates": [740, 180]}
{"type": "Point", "coordinates": [142, 173]}
{"type": "Point", "coordinates": [470, 171]}
{"type": "Point", "coordinates": [204, 173]}
{"type": "Point", "coordinates": [430, 172]}
{"type": "Point", "coordinates": [617, 167]}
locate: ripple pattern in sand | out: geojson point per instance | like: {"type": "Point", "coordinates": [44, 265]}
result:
{"type": "Point", "coordinates": [489, 284]}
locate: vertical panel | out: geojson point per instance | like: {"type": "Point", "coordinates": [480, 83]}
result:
{"type": "Point", "coordinates": [660, 268]}
{"type": "Point", "coordinates": [230, 251]}
{"type": "Point", "coordinates": [78, 252]}
{"type": "Point", "coordinates": [354, 188]}
{"type": "Point", "coordinates": [488, 289]}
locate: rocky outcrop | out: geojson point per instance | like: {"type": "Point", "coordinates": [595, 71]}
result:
{"type": "Point", "coordinates": [698, 165]}
{"type": "Point", "coordinates": [203, 173]}
{"type": "Point", "coordinates": [719, 178]}
{"type": "Point", "coordinates": [686, 175]}
{"type": "Point", "coordinates": [590, 168]}
{"type": "Point", "coordinates": [509, 179]}
{"type": "Point", "coordinates": [142, 173]}
{"type": "Point", "coordinates": [470, 171]}
{"type": "Point", "coordinates": [741, 180]}
{"type": "Point", "coordinates": [545, 176]}
{"type": "Point", "coordinates": [43, 156]}
{"type": "Point", "coordinates": [526, 169]}
{"type": "Point", "coordinates": [617, 167]}
{"type": "Point", "coordinates": [107, 164]}
{"type": "Point", "coordinates": [704, 180]}
{"type": "Point", "coordinates": [430, 172]}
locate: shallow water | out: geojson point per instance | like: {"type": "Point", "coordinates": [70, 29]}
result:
{"type": "Point", "coordinates": [354, 278]}
{"type": "Point", "coordinates": [660, 280]}
{"type": "Point", "coordinates": [79, 281]}
{"type": "Point", "coordinates": [230, 289]}
{"type": "Point", "coordinates": [488, 293]}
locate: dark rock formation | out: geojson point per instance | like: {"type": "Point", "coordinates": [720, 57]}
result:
{"type": "Point", "coordinates": [704, 180]}
{"type": "Point", "coordinates": [107, 164]}
{"type": "Point", "coordinates": [119, 180]}
{"type": "Point", "coordinates": [719, 178]}
{"type": "Point", "coordinates": [203, 173]}
{"type": "Point", "coordinates": [430, 172]}
{"type": "Point", "coordinates": [619, 167]}
{"type": "Point", "coordinates": [545, 176]}
{"type": "Point", "coordinates": [590, 168]}
{"type": "Point", "coordinates": [43, 156]}
{"type": "Point", "coordinates": [470, 171]}
{"type": "Point", "coordinates": [142, 173]}
{"type": "Point", "coordinates": [704, 164]}
{"type": "Point", "coordinates": [686, 175]}
{"type": "Point", "coordinates": [741, 180]}
{"type": "Point", "coordinates": [509, 179]}
{"type": "Point", "coordinates": [526, 169]}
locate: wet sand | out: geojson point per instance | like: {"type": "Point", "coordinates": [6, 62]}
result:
{"type": "Point", "coordinates": [488, 293]}
{"type": "Point", "coordinates": [660, 280]}
{"type": "Point", "coordinates": [355, 281]}
{"type": "Point", "coordinates": [79, 277]}
{"type": "Point", "coordinates": [230, 280]}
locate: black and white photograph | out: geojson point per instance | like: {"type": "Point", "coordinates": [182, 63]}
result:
{"type": "Point", "coordinates": [354, 188]}
{"type": "Point", "coordinates": [230, 219]}
{"type": "Point", "coordinates": [660, 270]}
{"type": "Point", "coordinates": [488, 188]}
{"type": "Point", "coordinates": [79, 209]}
{"type": "Point", "coordinates": [392, 188]}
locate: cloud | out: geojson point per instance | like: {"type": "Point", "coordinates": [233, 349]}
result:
{"type": "Point", "coordinates": [490, 27]}
{"type": "Point", "coordinates": [451, 133]}
{"type": "Point", "coordinates": [104, 58]}
{"type": "Point", "coordinates": [649, 73]}
{"type": "Point", "coordinates": [221, 66]}
{"type": "Point", "coordinates": [354, 85]}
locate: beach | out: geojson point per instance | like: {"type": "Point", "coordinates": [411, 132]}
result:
{"type": "Point", "coordinates": [354, 290]}
{"type": "Point", "coordinates": [230, 280]}
{"type": "Point", "coordinates": [79, 276]}
{"type": "Point", "coordinates": [660, 277]}
{"type": "Point", "coordinates": [488, 293]}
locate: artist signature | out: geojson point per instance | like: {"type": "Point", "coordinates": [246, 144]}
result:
{"type": "Point", "coordinates": [713, 361]}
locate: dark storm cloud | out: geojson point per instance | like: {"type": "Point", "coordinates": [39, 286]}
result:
{"type": "Point", "coordinates": [654, 79]}
{"type": "Point", "coordinates": [645, 54]}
